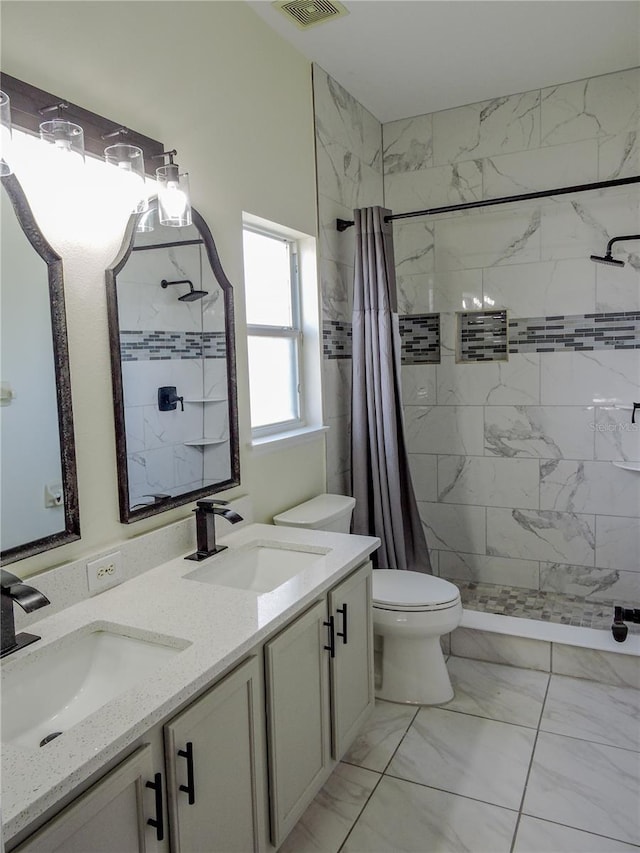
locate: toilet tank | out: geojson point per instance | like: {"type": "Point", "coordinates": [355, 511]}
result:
{"type": "Point", "coordinates": [324, 512]}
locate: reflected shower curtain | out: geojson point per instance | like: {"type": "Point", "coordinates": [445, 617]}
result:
{"type": "Point", "coordinates": [385, 502]}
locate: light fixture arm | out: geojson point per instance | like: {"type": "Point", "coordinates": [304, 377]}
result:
{"type": "Point", "coordinates": [62, 105]}
{"type": "Point", "coordinates": [120, 131]}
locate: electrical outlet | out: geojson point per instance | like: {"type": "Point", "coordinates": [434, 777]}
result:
{"type": "Point", "coordinates": [104, 572]}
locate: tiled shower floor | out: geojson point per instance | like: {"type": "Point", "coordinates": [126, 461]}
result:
{"type": "Point", "coordinates": [558, 607]}
{"type": "Point", "coordinates": [519, 761]}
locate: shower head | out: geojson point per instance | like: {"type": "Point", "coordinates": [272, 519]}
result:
{"type": "Point", "coordinates": [191, 296]}
{"type": "Point", "coordinates": [607, 259]}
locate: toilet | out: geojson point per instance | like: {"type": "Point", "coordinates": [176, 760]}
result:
{"type": "Point", "coordinates": [411, 611]}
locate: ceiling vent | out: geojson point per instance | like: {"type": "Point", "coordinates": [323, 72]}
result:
{"type": "Point", "coordinates": [308, 13]}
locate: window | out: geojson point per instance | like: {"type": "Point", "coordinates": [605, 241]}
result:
{"type": "Point", "coordinates": [274, 328]}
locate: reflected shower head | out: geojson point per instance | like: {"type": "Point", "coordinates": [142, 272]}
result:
{"type": "Point", "coordinates": [607, 259]}
{"type": "Point", "coordinates": [191, 296]}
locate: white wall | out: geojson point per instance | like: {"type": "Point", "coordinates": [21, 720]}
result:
{"type": "Point", "coordinates": [211, 80]}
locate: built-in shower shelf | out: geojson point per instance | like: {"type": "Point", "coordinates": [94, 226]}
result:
{"type": "Point", "coordinates": [206, 400]}
{"type": "Point", "coordinates": [628, 466]}
{"type": "Point", "coordinates": [202, 442]}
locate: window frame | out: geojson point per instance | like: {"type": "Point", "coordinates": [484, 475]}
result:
{"type": "Point", "coordinates": [294, 333]}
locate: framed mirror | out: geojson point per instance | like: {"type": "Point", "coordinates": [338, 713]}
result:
{"type": "Point", "coordinates": [39, 508]}
{"type": "Point", "coordinates": [171, 328]}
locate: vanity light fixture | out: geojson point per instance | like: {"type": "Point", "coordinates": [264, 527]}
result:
{"type": "Point", "coordinates": [174, 206]}
{"type": "Point", "coordinates": [64, 135]}
{"type": "Point", "coordinates": [5, 133]}
{"type": "Point", "coordinates": [129, 160]}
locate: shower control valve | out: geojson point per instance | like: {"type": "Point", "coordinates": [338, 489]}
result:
{"type": "Point", "coordinates": [168, 399]}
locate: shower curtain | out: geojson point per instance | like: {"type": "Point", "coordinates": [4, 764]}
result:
{"type": "Point", "coordinates": [385, 502]}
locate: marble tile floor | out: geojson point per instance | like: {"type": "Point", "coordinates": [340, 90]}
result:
{"type": "Point", "coordinates": [563, 608]}
{"type": "Point", "coordinates": [519, 761]}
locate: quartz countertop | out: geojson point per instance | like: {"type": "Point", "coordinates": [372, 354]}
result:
{"type": "Point", "coordinates": [215, 627]}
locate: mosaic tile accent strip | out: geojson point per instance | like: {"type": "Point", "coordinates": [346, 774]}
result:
{"type": "Point", "coordinates": [163, 346]}
{"type": "Point", "coordinates": [420, 336]}
{"type": "Point", "coordinates": [482, 336]}
{"type": "Point", "coordinates": [615, 330]}
{"type": "Point", "coordinates": [562, 608]}
{"type": "Point", "coordinates": [336, 339]}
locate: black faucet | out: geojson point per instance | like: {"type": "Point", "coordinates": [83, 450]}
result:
{"type": "Point", "coordinates": [620, 616]}
{"type": "Point", "coordinates": [206, 512]}
{"type": "Point", "coordinates": [14, 590]}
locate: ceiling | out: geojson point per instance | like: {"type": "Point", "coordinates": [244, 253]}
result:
{"type": "Point", "coordinates": [402, 58]}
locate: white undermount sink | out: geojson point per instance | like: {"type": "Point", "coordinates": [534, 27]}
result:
{"type": "Point", "coordinates": [258, 566]}
{"type": "Point", "coordinates": [56, 686]}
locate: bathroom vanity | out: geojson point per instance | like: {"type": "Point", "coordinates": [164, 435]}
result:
{"type": "Point", "coordinates": [222, 744]}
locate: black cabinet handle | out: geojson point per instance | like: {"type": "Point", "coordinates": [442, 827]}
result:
{"type": "Point", "coordinates": [331, 648]}
{"type": "Point", "coordinates": [190, 787]}
{"type": "Point", "coordinates": [158, 820]}
{"type": "Point", "coordinates": [343, 633]}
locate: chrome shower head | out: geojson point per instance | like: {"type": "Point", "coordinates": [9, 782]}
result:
{"type": "Point", "coordinates": [607, 259]}
{"type": "Point", "coordinates": [191, 296]}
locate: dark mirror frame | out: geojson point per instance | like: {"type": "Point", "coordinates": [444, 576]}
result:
{"type": "Point", "coordinates": [127, 515]}
{"type": "Point", "coordinates": [53, 261]}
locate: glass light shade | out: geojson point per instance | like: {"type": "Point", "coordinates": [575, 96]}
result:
{"type": "Point", "coordinates": [129, 160]}
{"type": "Point", "coordinates": [147, 220]}
{"type": "Point", "coordinates": [5, 134]}
{"type": "Point", "coordinates": [65, 136]}
{"type": "Point", "coordinates": [174, 206]}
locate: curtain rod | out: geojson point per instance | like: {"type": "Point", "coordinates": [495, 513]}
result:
{"type": "Point", "coordinates": [343, 224]}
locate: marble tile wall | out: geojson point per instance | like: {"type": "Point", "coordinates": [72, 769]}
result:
{"type": "Point", "coordinates": [512, 460]}
{"type": "Point", "coordinates": [349, 175]}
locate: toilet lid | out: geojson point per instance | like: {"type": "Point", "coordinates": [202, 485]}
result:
{"type": "Point", "coordinates": [400, 590]}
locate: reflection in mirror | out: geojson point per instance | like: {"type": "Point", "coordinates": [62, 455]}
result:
{"type": "Point", "coordinates": [39, 508]}
{"type": "Point", "coordinates": [173, 364]}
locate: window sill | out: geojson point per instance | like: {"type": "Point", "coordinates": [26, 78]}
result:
{"type": "Point", "coordinates": [283, 440]}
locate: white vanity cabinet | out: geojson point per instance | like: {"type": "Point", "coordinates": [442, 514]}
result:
{"type": "Point", "coordinates": [206, 780]}
{"type": "Point", "coordinates": [319, 690]}
{"type": "Point", "coordinates": [215, 768]}
{"type": "Point", "coordinates": [351, 668]}
{"type": "Point", "coordinates": [111, 816]}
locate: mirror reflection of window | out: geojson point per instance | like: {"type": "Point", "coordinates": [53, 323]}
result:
{"type": "Point", "coordinates": [39, 497]}
{"type": "Point", "coordinates": [30, 440]}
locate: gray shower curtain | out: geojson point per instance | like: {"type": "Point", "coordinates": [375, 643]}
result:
{"type": "Point", "coordinates": [385, 502]}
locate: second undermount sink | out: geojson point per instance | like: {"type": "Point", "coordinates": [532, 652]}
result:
{"type": "Point", "coordinates": [258, 566]}
{"type": "Point", "coordinates": [54, 687]}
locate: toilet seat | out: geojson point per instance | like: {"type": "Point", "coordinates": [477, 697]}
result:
{"type": "Point", "coordinates": [412, 591]}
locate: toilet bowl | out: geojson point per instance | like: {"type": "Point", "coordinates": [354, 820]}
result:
{"type": "Point", "coordinates": [411, 611]}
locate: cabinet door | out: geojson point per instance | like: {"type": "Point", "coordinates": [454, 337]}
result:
{"type": "Point", "coordinates": [215, 768]}
{"type": "Point", "coordinates": [111, 817]}
{"type": "Point", "coordinates": [297, 680]}
{"type": "Point", "coordinates": [352, 695]}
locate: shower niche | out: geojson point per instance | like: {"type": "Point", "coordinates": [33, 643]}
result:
{"type": "Point", "coordinates": [171, 327]}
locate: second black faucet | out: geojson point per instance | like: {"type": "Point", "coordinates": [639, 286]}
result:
{"type": "Point", "coordinates": [206, 511]}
